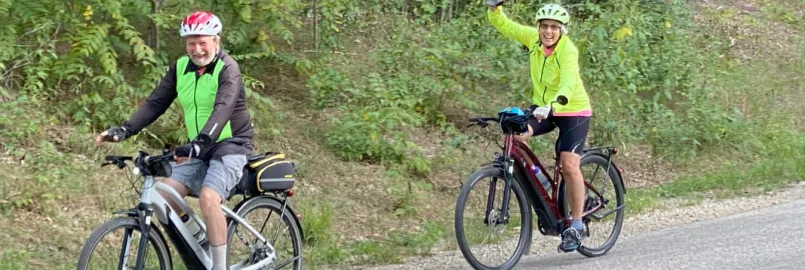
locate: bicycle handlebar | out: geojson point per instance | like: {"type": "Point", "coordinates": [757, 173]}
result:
{"type": "Point", "coordinates": [146, 159]}
{"type": "Point", "coordinates": [482, 121]}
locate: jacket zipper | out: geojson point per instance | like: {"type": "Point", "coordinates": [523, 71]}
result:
{"type": "Point", "coordinates": [544, 60]}
{"type": "Point", "coordinates": [195, 103]}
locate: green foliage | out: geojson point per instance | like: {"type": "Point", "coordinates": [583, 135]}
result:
{"type": "Point", "coordinates": [433, 62]}
{"type": "Point", "coordinates": [406, 84]}
{"type": "Point", "coordinates": [374, 135]}
{"type": "Point", "coordinates": [382, 73]}
{"type": "Point", "coordinates": [635, 62]}
{"type": "Point", "coordinates": [320, 243]}
{"type": "Point", "coordinates": [646, 83]}
{"type": "Point", "coordinates": [93, 62]}
{"type": "Point", "coordinates": [316, 222]}
{"type": "Point", "coordinates": [788, 13]}
{"type": "Point", "coordinates": [19, 124]}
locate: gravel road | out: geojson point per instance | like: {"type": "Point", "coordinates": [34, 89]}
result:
{"type": "Point", "coordinates": [658, 227]}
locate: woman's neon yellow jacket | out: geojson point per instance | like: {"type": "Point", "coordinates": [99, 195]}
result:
{"type": "Point", "coordinates": [552, 76]}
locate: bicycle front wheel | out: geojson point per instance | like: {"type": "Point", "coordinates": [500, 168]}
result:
{"type": "Point", "coordinates": [501, 236]}
{"type": "Point", "coordinates": [115, 244]}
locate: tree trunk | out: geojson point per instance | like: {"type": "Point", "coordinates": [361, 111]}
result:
{"type": "Point", "coordinates": [154, 35]}
{"type": "Point", "coordinates": [450, 12]}
{"type": "Point", "coordinates": [315, 24]}
{"type": "Point", "coordinates": [443, 13]}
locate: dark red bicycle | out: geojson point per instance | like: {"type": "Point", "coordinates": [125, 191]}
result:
{"type": "Point", "coordinates": [518, 171]}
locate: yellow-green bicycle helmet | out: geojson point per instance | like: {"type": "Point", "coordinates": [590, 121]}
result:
{"type": "Point", "coordinates": [553, 12]}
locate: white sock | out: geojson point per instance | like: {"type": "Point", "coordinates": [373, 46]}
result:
{"type": "Point", "coordinates": [219, 257]}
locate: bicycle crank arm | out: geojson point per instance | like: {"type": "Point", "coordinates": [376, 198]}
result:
{"type": "Point", "coordinates": [601, 216]}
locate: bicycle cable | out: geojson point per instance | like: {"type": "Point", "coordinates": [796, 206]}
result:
{"type": "Point", "coordinates": [132, 184]}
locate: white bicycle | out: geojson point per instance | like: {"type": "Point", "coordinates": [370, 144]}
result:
{"type": "Point", "coordinates": [266, 185]}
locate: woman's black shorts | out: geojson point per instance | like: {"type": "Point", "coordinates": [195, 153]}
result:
{"type": "Point", "coordinates": [572, 131]}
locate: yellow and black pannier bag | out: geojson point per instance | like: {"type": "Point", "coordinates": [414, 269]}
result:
{"type": "Point", "coordinates": [268, 172]}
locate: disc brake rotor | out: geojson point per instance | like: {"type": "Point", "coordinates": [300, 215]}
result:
{"type": "Point", "coordinates": [496, 222]}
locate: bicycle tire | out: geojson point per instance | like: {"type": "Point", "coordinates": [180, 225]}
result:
{"type": "Point", "coordinates": [275, 207]}
{"type": "Point", "coordinates": [154, 239]}
{"type": "Point", "coordinates": [525, 220]}
{"type": "Point", "coordinates": [614, 178]}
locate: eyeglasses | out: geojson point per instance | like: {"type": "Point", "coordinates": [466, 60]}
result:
{"type": "Point", "coordinates": [552, 27]}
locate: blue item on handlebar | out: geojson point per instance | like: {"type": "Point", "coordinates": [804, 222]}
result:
{"type": "Point", "coordinates": [513, 120]}
{"type": "Point", "coordinates": [512, 111]}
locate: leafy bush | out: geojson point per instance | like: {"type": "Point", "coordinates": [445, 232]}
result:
{"type": "Point", "coordinates": [93, 62]}
{"type": "Point", "coordinates": [373, 135]}
{"type": "Point", "coordinates": [388, 67]}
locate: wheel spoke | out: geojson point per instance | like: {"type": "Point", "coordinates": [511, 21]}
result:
{"type": "Point", "coordinates": [602, 228]}
{"type": "Point", "coordinates": [283, 254]}
{"type": "Point", "coordinates": [115, 245]}
{"type": "Point", "coordinates": [485, 238]}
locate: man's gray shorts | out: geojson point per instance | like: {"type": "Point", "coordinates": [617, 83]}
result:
{"type": "Point", "coordinates": [221, 175]}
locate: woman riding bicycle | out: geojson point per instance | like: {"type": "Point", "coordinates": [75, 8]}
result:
{"type": "Point", "coordinates": [554, 72]}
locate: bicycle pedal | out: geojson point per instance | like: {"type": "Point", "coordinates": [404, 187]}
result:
{"type": "Point", "coordinates": [559, 249]}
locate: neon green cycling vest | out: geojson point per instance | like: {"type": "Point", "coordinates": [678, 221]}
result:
{"type": "Point", "coordinates": [197, 97]}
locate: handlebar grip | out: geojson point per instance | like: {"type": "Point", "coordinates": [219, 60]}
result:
{"type": "Point", "coordinates": [148, 160]}
{"type": "Point", "coordinates": [116, 158]}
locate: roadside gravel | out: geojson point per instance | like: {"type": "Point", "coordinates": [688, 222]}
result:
{"type": "Point", "coordinates": [673, 213]}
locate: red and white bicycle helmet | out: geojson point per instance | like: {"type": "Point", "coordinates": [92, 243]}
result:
{"type": "Point", "coordinates": [201, 23]}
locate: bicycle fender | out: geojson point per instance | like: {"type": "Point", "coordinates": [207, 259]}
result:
{"type": "Point", "coordinates": [495, 164]}
{"type": "Point", "coordinates": [127, 212]}
{"type": "Point", "coordinates": [618, 171]}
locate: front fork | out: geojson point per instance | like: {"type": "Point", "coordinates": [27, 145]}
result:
{"type": "Point", "coordinates": [143, 215]}
{"type": "Point", "coordinates": [508, 170]}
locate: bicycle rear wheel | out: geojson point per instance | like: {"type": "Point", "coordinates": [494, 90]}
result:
{"type": "Point", "coordinates": [602, 227]}
{"type": "Point", "coordinates": [490, 217]}
{"type": "Point", "coordinates": [280, 230]}
{"type": "Point", "coordinates": [120, 252]}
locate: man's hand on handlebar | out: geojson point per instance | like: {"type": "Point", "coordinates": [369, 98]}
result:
{"type": "Point", "coordinates": [187, 151]}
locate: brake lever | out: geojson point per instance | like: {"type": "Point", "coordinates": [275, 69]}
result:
{"type": "Point", "coordinates": [480, 123]}
{"type": "Point", "coordinates": [119, 163]}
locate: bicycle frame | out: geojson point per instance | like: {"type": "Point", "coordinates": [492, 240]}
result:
{"type": "Point", "coordinates": [191, 252]}
{"type": "Point", "coordinates": [516, 159]}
